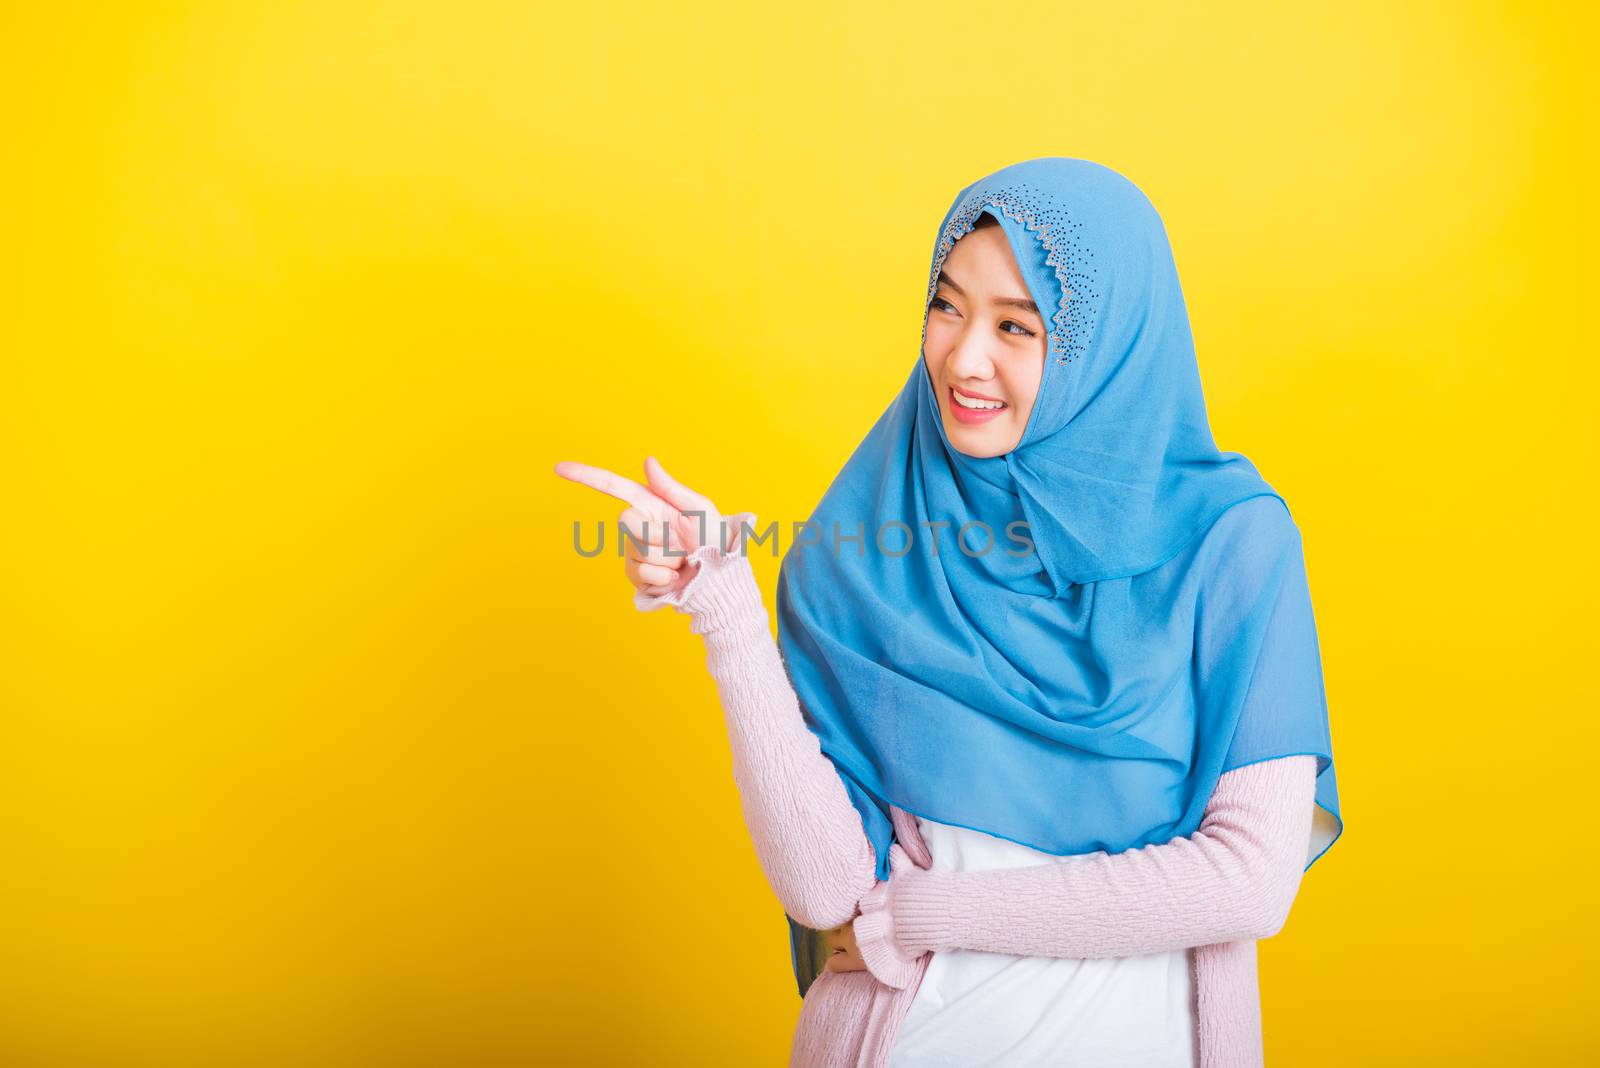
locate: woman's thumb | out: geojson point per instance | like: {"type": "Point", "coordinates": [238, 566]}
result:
{"type": "Point", "coordinates": [674, 492]}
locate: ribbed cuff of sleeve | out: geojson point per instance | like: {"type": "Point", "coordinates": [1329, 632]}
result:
{"type": "Point", "coordinates": [722, 592]}
{"type": "Point", "coordinates": [875, 940]}
{"type": "Point", "coordinates": [926, 910]}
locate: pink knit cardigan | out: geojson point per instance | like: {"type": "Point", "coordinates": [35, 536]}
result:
{"type": "Point", "coordinates": [1218, 890]}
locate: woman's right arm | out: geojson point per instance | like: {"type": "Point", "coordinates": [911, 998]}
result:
{"type": "Point", "coordinates": [808, 836]}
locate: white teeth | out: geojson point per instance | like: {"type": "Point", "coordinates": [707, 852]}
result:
{"type": "Point", "coordinates": [981, 405]}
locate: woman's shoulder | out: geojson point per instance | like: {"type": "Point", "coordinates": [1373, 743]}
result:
{"type": "Point", "coordinates": [1258, 527]}
{"type": "Point", "coordinates": [1243, 546]}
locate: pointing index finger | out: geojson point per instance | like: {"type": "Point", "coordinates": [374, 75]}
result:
{"type": "Point", "coordinates": [615, 485]}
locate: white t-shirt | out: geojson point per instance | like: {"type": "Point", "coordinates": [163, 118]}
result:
{"type": "Point", "coordinates": [991, 1009]}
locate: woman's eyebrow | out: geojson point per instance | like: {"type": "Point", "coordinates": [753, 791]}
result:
{"type": "Point", "coordinates": [1004, 302]}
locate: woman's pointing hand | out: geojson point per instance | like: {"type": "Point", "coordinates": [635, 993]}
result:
{"type": "Point", "coordinates": [664, 523]}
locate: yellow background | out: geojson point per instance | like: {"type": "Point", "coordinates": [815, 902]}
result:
{"type": "Point", "coordinates": [322, 747]}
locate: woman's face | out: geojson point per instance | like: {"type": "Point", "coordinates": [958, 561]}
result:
{"type": "Point", "coordinates": [985, 344]}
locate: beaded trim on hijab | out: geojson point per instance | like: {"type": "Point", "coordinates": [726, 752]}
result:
{"type": "Point", "coordinates": [1064, 251]}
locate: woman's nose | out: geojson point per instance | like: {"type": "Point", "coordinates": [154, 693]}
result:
{"type": "Point", "coordinates": [969, 359]}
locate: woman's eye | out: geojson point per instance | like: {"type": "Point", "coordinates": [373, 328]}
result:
{"type": "Point", "coordinates": [941, 304]}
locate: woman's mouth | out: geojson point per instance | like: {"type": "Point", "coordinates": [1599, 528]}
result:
{"type": "Point", "coordinates": [970, 410]}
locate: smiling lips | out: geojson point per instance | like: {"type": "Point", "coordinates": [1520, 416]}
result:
{"type": "Point", "coordinates": [970, 409]}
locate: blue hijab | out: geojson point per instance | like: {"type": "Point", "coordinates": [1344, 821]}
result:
{"type": "Point", "coordinates": [1082, 682]}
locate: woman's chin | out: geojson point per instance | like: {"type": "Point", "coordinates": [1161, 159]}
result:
{"type": "Point", "coordinates": [978, 442]}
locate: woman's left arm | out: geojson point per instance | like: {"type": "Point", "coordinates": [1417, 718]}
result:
{"type": "Point", "coordinates": [1233, 879]}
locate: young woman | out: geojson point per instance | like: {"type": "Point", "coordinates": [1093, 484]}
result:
{"type": "Point", "coordinates": [1043, 747]}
